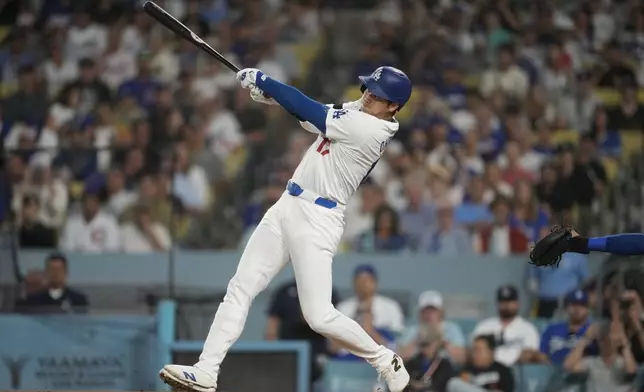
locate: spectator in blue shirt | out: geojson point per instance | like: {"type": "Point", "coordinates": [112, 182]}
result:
{"type": "Point", "coordinates": [527, 214]}
{"type": "Point", "coordinates": [448, 239]}
{"type": "Point", "coordinates": [474, 211]}
{"type": "Point", "coordinates": [417, 215]}
{"type": "Point", "coordinates": [452, 90]}
{"type": "Point", "coordinates": [552, 284]}
{"type": "Point", "coordinates": [385, 236]}
{"type": "Point", "coordinates": [608, 141]}
{"type": "Point", "coordinates": [559, 338]}
{"type": "Point", "coordinates": [143, 87]}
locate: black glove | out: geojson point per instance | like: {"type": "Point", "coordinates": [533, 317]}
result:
{"type": "Point", "coordinates": [548, 251]}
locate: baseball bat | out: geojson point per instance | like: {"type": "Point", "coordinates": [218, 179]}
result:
{"type": "Point", "coordinates": [170, 22]}
{"type": "Point", "coordinates": [173, 24]}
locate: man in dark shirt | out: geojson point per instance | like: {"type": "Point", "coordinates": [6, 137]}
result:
{"type": "Point", "coordinates": [588, 181]}
{"type": "Point", "coordinates": [429, 371]}
{"type": "Point", "coordinates": [285, 322]}
{"type": "Point", "coordinates": [483, 373]}
{"type": "Point", "coordinates": [93, 89]}
{"type": "Point", "coordinates": [29, 104]}
{"type": "Point", "coordinates": [57, 297]}
{"type": "Point", "coordinates": [32, 233]}
{"type": "Point", "coordinates": [618, 74]}
{"type": "Point", "coordinates": [629, 115]}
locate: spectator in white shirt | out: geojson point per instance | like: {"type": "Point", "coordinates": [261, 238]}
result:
{"type": "Point", "coordinates": [92, 230]}
{"type": "Point", "coordinates": [58, 71]}
{"type": "Point", "coordinates": [52, 194]}
{"type": "Point", "coordinates": [189, 183]}
{"type": "Point", "coordinates": [143, 235]}
{"type": "Point", "coordinates": [117, 196]}
{"type": "Point", "coordinates": [506, 77]}
{"type": "Point", "coordinates": [517, 340]}
{"type": "Point", "coordinates": [85, 39]}
{"type": "Point", "coordinates": [223, 129]}
{"type": "Point", "coordinates": [118, 65]}
{"type": "Point", "coordinates": [61, 113]}
{"type": "Point", "coordinates": [164, 62]}
{"type": "Point", "coordinates": [380, 316]}
{"type": "Point", "coordinates": [134, 34]}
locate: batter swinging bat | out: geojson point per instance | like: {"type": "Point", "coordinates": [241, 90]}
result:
{"type": "Point", "coordinates": [169, 21]}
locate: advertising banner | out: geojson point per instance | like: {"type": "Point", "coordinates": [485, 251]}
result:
{"type": "Point", "coordinates": [77, 352]}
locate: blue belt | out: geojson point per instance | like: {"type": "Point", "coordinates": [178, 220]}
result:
{"type": "Point", "coordinates": [295, 190]}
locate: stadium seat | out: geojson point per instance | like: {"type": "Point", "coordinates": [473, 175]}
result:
{"type": "Point", "coordinates": [609, 96]}
{"type": "Point", "coordinates": [306, 53]}
{"type": "Point", "coordinates": [472, 82]}
{"type": "Point", "coordinates": [348, 376]}
{"type": "Point", "coordinates": [631, 142]}
{"type": "Point", "coordinates": [565, 136]}
{"type": "Point", "coordinates": [611, 166]}
{"type": "Point", "coordinates": [467, 326]}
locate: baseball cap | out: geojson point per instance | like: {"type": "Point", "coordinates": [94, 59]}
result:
{"type": "Point", "coordinates": [579, 297]}
{"type": "Point", "coordinates": [430, 298]}
{"type": "Point", "coordinates": [365, 268]}
{"type": "Point", "coordinates": [507, 293]}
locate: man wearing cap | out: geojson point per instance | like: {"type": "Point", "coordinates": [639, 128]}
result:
{"type": "Point", "coordinates": [382, 317]}
{"type": "Point", "coordinates": [429, 370]}
{"type": "Point", "coordinates": [431, 312]}
{"type": "Point", "coordinates": [559, 338]}
{"type": "Point", "coordinates": [517, 340]}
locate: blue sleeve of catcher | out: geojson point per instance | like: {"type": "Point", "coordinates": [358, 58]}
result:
{"type": "Point", "coordinates": [294, 101]}
{"type": "Point", "coordinates": [620, 244]}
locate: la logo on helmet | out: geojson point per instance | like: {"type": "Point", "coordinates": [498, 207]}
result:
{"type": "Point", "coordinates": [377, 73]}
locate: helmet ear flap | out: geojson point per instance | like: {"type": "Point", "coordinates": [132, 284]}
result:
{"type": "Point", "coordinates": [363, 88]}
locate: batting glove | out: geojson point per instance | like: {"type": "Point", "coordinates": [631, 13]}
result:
{"type": "Point", "coordinates": [258, 96]}
{"type": "Point", "coordinates": [248, 77]}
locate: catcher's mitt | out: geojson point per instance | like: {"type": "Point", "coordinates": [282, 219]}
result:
{"type": "Point", "coordinates": [548, 251]}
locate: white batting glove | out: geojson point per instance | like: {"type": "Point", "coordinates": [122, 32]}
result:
{"type": "Point", "coordinates": [247, 77]}
{"type": "Point", "coordinates": [258, 96]}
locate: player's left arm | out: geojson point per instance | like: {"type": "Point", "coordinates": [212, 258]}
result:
{"type": "Point", "coordinates": [622, 244]}
{"type": "Point", "coordinates": [292, 99]}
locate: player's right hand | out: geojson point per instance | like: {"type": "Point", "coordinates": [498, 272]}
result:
{"type": "Point", "coordinates": [247, 77]}
{"type": "Point", "coordinates": [258, 96]}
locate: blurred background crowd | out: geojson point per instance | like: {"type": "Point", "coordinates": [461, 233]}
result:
{"type": "Point", "coordinates": [119, 137]}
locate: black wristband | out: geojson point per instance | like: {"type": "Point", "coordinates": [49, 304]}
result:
{"type": "Point", "coordinates": [578, 245]}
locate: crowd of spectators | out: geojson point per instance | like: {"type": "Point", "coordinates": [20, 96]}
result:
{"type": "Point", "coordinates": [443, 354]}
{"type": "Point", "coordinates": [117, 136]}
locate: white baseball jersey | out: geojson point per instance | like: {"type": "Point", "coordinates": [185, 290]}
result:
{"type": "Point", "coordinates": [340, 159]}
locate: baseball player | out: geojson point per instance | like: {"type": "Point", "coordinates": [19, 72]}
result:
{"type": "Point", "coordinates": [306, 223]}
{"type": "Point", "coordinates": [549, 250]}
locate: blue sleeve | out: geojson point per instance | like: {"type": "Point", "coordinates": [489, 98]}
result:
{"type": "Point", "coordinates": [295, 101]}
{"type": "Point", "coordinates": [620, 244]}
{"type": "Point", "coordinates": [545, 341]}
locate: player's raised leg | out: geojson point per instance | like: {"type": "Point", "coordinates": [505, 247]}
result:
{"type": "Point", "coordinates": [312, 245]}
{"type": "Point", "coordinates": [263, 258]}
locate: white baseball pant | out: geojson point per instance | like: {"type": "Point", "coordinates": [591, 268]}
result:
{"type": "Point", "coordinates": [309, 235]}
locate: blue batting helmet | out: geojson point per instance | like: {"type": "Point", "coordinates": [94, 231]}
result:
{"type": "Point", "coordinates": [388, 83]}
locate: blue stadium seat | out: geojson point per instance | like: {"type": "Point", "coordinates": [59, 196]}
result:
{"type": "Point", "coordinates": [349, 376]}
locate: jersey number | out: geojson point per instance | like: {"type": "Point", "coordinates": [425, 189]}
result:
{"type": "Point", "coordinates": [324, 146]}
